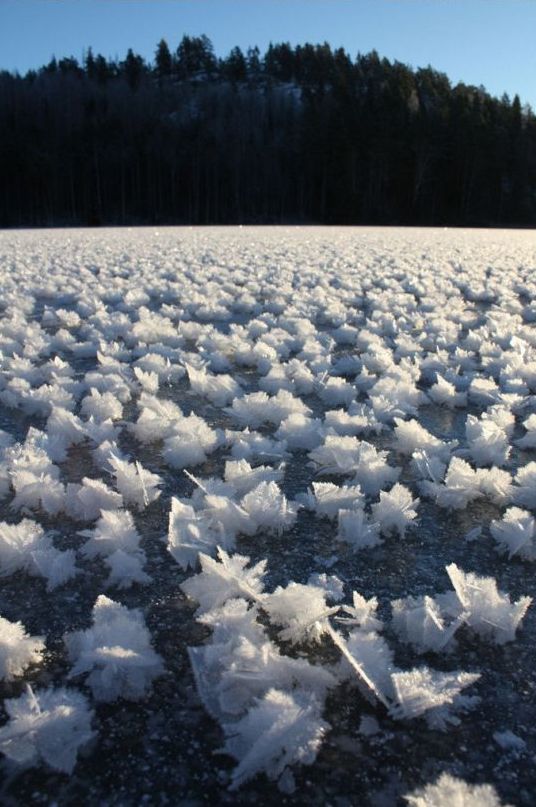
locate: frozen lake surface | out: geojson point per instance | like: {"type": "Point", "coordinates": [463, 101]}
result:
{"type": "Point", "coordinates": [357, 408]}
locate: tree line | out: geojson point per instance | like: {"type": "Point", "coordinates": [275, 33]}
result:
{"type": "Point", "coordinates": [301, 134]}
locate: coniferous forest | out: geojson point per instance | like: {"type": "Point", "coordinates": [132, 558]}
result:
{"type": "Point", "coordinates": [297, 135]}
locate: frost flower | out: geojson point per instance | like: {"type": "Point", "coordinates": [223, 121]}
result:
{"type": "Point", "coordinates": [224, 579]}
{"type": "Point", "coordinates": [395, 510]}
{"type": "Point", "coordinates": [449, 791]}
{"type": "Point", "coordinates": [515, 534]}
{"type": "Point", "coordinates": [17, 649]}
{"type": "Point", "coordinates": [116, 652]}
{"type": "Point", "coordinates": [281, 730]}
{"type": "Point", "coordinates": [47, 726]}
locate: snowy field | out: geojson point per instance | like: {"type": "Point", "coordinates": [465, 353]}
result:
{"type": "Point", "coordinates": [268, 505]}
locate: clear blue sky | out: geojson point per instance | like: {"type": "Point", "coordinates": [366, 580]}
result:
{"type": "Point", "coordinates": [489, 42]}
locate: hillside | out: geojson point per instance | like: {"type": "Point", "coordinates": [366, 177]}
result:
{"type": "Point", "coordinates": [297, 135]}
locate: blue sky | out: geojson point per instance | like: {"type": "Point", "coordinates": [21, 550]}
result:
{"type": "Point", "coordinates": [489, 42]}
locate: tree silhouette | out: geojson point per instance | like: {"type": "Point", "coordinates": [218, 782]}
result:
{"type": "Point", "coordinates": [297, 134]}
{"type": "Point", "coordinates": [163, 61]}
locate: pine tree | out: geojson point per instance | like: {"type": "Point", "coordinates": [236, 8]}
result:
{"type": "Point", "coordinates": [234, 67]}
{"type": "Point", "coordinates": [89, 65]}
{"type": "Point", "coordinates": [253, 61]}
{"type": "Point", "coordinates": [133, 68]}
{"type": "Point", "coordinates": [163, 61]}
{"type": "Point", "coordinates": [195, 57]}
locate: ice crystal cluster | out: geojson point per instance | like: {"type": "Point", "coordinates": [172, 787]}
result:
{"type": "Point", "coordinates": [324, 439]}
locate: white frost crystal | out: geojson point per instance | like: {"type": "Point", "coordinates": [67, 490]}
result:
{"type": "Point", "coordinates": [301, 610]}
{"type": "Point", "coordinates": [233, 675]}
{"type": "Point", "coordinates": [281, 730]}
{"type": "Point", "coordinates": [268, 508]}
{"type": "Point", "coordinates": [357, 530]}
{"type": "Point", "coordinates": [86, 501]}
{"type": "Point", "coordinates": [219, 389]}
{"type": "Point", "coordinates": [525, 486]}
{"type": "Point", "coordinates": [17, 649]}
{"type": "Point", "coordinates": [329, 499]}
{"type": "Point", "coordinates": [300, 431]}
{"type": "Point", "coordinates": [116, 653]}
{"type": "Point", "coordinates": [444, 393]}
{"type": "Point", "coordinates": [49, 725]}
{"type": "Point", "coordinates": [432, 694]}
{"type": "Point", "coordinates": [126, 568]}
{"type": "Point", "coordinates": [189, 441]}
{"type": "Point", "coordinates": [529, 439]}
{"type": "Point", "coordinates": [114, 530]}
{"type": "Point", "coordinates": [189, 534]}
{"type": "Point", "coordinates": [487, 611]}
{"type": "Point", "coordinates": [419, 621]}
{"type": "Point", "coordinates": [116, 539]}
{"type": "Point", "coordinates": [375, 661]}
{"type": "Point", "coordinates": [137, 485]}
{"type": "Point", "coordinates": [101, 406]}
{"type": "Point", "coordinates": [26, 547]}
{"type": "Point", "coordinates": [258, 407]}
{"type": "Point", "coordinates": [515, 533]}
{"type": "Point", "coordinates": [362, 613]}
{"type": "Point", "coordinates": [487, 441]}
{"type": "Point", "coordinates": [451, 792]}
{"type": "Point", "coordinates": [410, 435]}
{"type": "Point", "coordinates": [495, 484]}
{"type": "Point", "coordinates": [461, 486]}
{"type": "Point", "coordinates": [223, 579]}
{"type": "Point", "coordinates": [348, 455]}
{"type": "Point", "coordinates": [243, 477]}
{"type": "Point", "coordinates": [396, 510]}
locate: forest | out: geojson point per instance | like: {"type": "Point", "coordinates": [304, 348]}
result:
{"type": "Point", "coordinates": [303, 134]}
